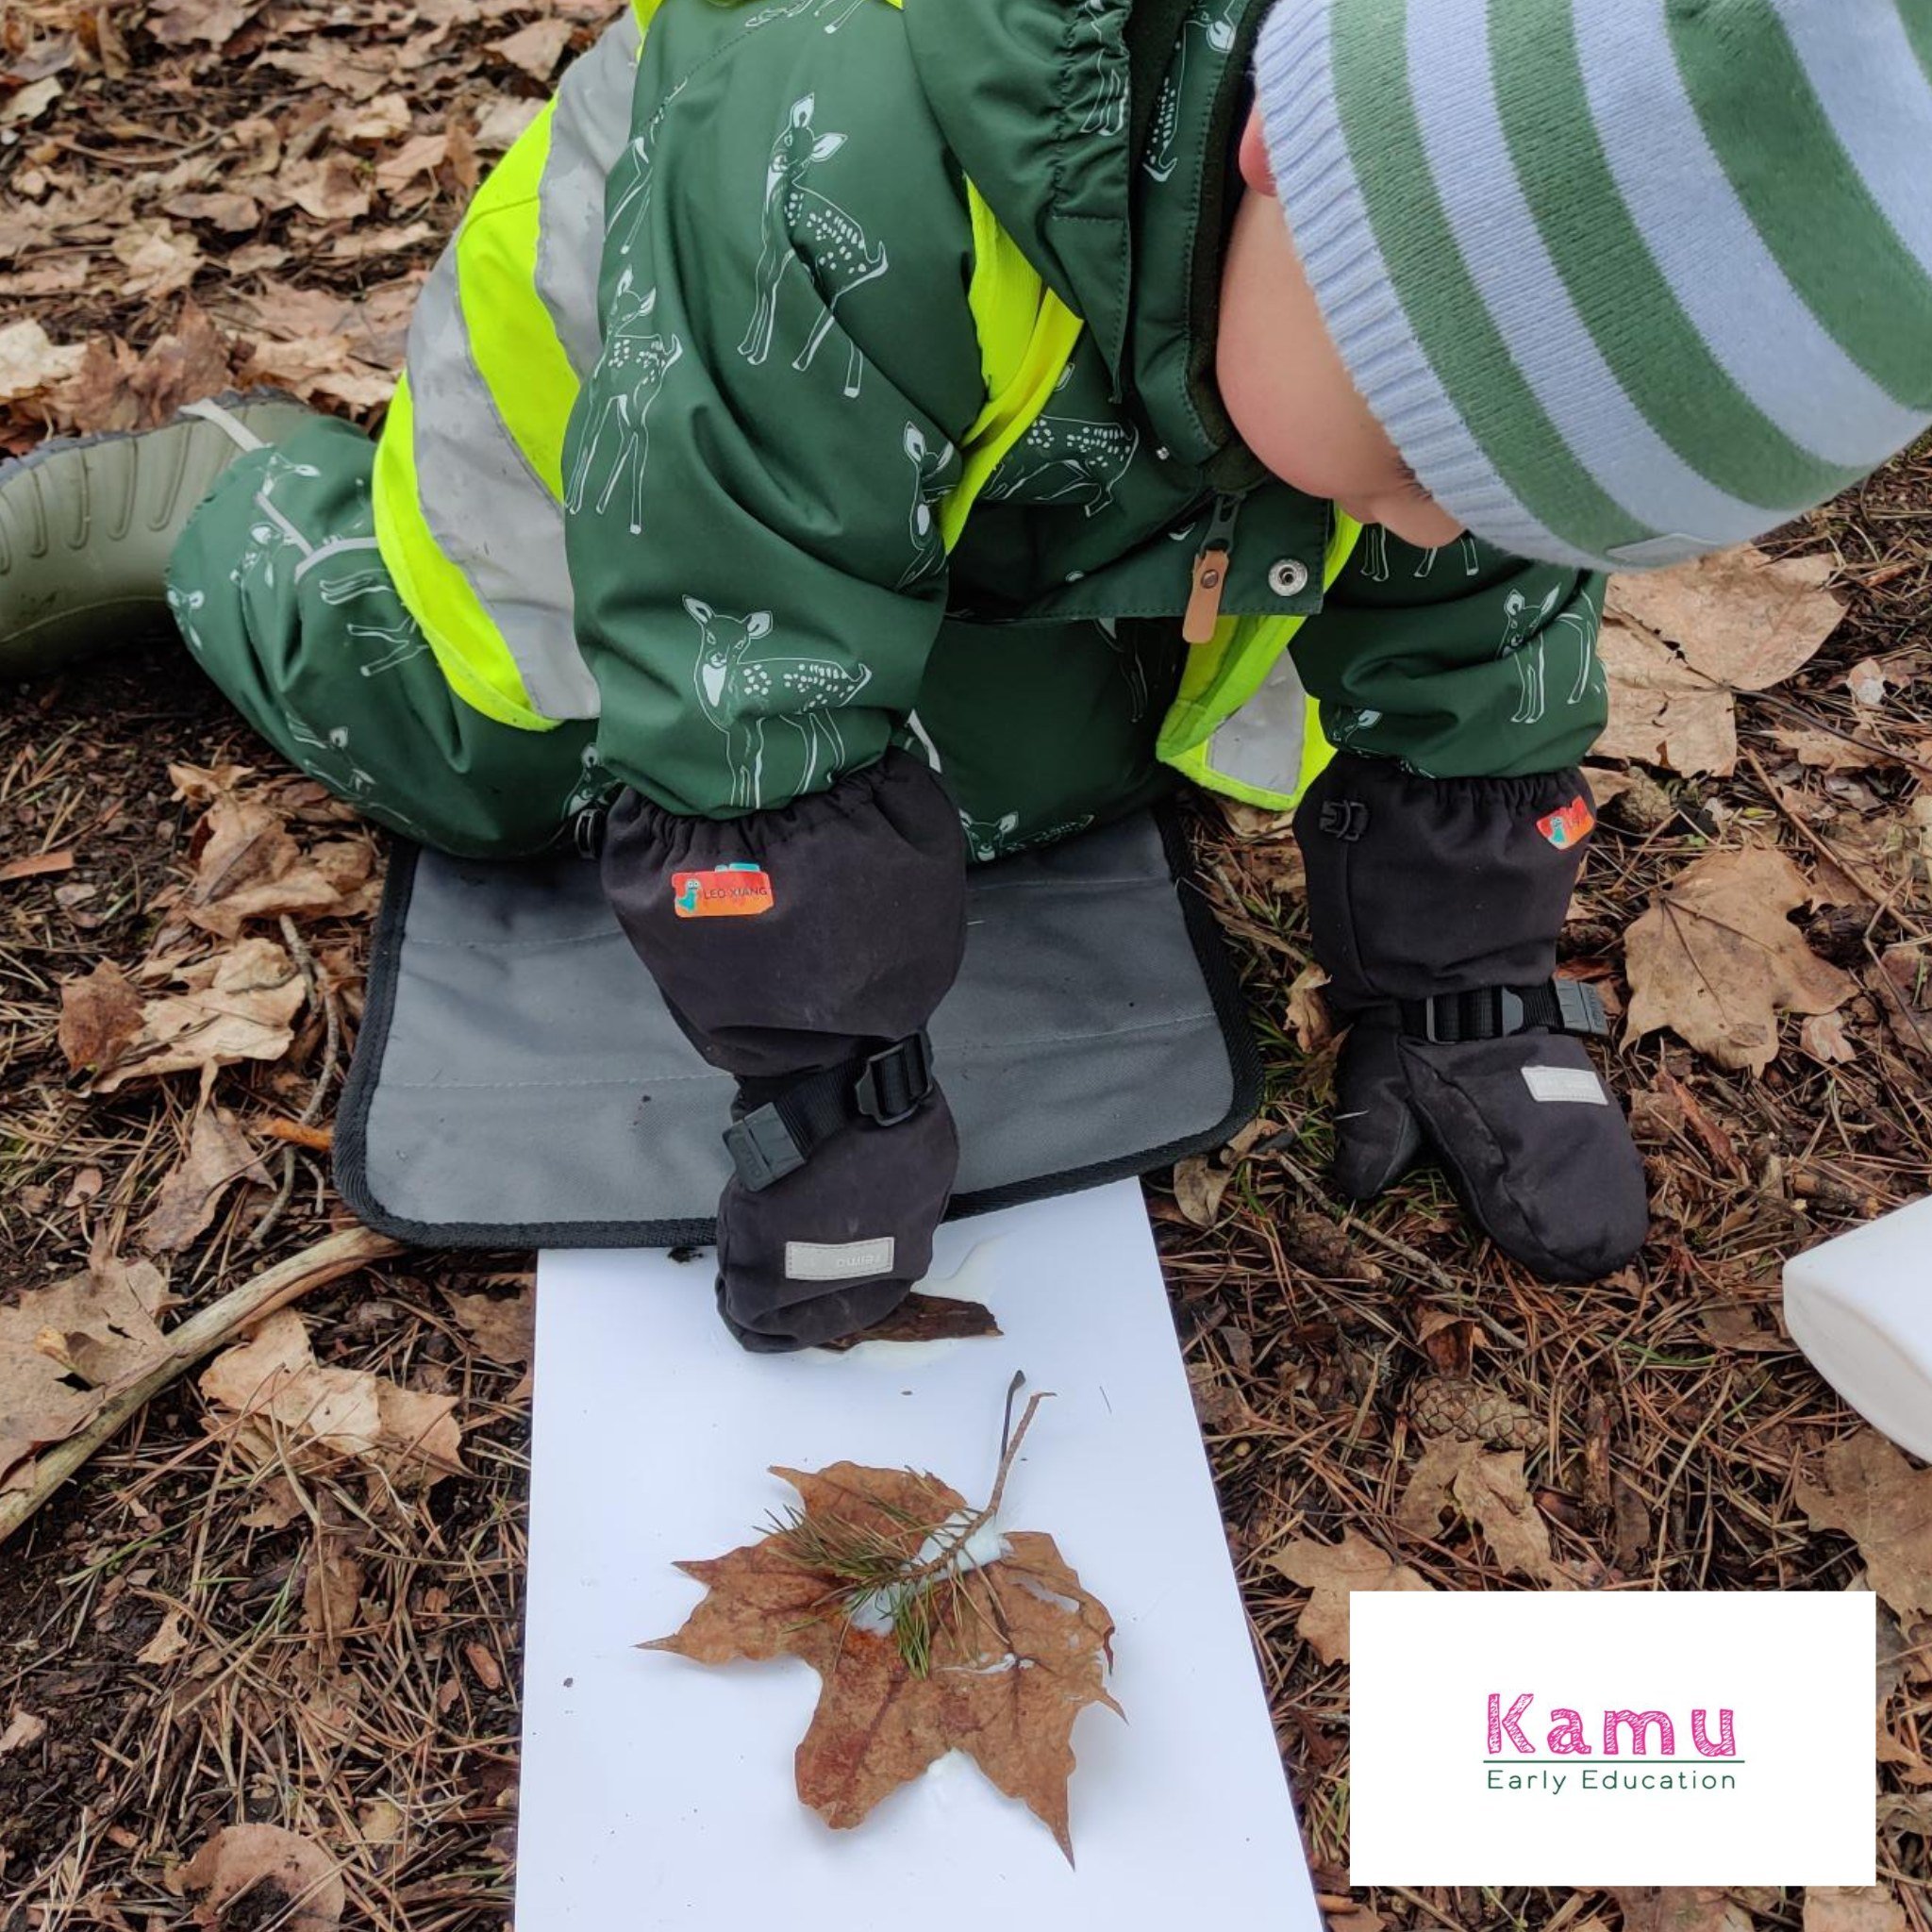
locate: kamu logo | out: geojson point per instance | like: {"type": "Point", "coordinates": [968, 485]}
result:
{"type": "Point", "coordinates": [1569, 1737]}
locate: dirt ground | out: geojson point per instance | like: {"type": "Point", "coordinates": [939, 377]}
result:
{"type": "Point", "coordinates": [161, 1634]}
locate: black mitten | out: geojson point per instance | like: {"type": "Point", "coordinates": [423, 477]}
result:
{"type": "Point", "coordinates": [1435, 906]}
{"type": "Point", "coordinates": [803, 950]}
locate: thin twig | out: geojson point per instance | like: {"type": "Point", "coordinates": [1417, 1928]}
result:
{"type": "Point", "coordinates": [332, 1033]}
{"type": "Point", "coordinates": [200, 1335]}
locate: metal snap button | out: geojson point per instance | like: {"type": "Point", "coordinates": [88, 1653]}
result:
{"type": "Point", "coordinates": [1288, 577]}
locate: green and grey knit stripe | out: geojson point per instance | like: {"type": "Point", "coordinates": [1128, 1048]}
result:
{"type": "Point", "coordinates": [1625, 283]}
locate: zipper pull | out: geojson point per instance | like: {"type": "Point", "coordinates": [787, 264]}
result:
{"type": "Point", "coordinates": [1211, 563]}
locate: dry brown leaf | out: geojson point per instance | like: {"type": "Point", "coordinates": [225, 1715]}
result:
{"type": "Point", "coordinates": [26, 104]}
{"type": "Point", "coordinates": [1876, 1496]}
{"type": "Point", "coordinates": [23, 1728]}
{"type": "Point", "coordinates": [331, 188]}
{"type": "Point", "coordinates": [1822, 1036]}
{"type": "Point", "coordinates": [279, 1504]}
{"type": "Point", "coordinates": [219, 1154]}
{"type": "Point", "coordinates": [379, 1821]}
{"type": "Point", "coordinates": [324, 366]}
{"type": "Point", "coordinates": [1825, 751]}
{"type": "Point", "coordinates": [284, 1404]}
{"type": "Point", "coordinates": [167, 1643]}
{"type": "Point", "coordinates": [1465, 1480]}
{"type": "Point", "coordinates": [1352, 1917]}
{"type": "Point", "coordinates": [488, 1671]}
{"type": "Point", "coordinates": [536, 48]}
{"type": "Point", "coordinates": [180, 22]}
{"type": "Point", "coordinates": [417, 158]}
{"type": "Point", "coordinates": [1716, 958]}
{"type": "Point", "coordinates": [204, 784]}
{"type": "Point", "coordinates": [1678, 642]}
{"type": "Point", "coordinates": [1853, 1908]}
{"type": "Point", "coordinates": [290, 1881]}
{"type": "Point", "coordinates": [925, 1318]}
{"type": "Point", "coordinates": [1008, 1701]}
{"type": "Point", "coordinates": [30, 364]}
{"type": "Point", "coordinates": [36, 865]}
{"type": "Point", "coordinates": [1308, 1017]}
{"type": "Point", "coordinates": [331, 1592]}
{"type": "Point", "coordinates": [1661, 711]}
{"type": "Point", "coordinates": [1733, 1326]}
{"type": "Point", "coordinates": [100, 1017]}
{"type": "Point", "coordinates": [251, 868]}
{"type": "Point", "coordinates": [61, 1347]}
{"type": "Point", "coordinates": [239, 1005]}
{"type": "Point", "coordinates": [503, 123]}
{"type": "Point", "coordinates": [117, 389]}
{"type": "Point", "coordinates": [159, 258]}
{"type": "Point", "coordinates": [1743, 619]}
{"type": "Point", "coordinates": [1901, 981]}
{"type": "Point", "coordinates": [1199, 1182]}
{"type": "Point", "coordinates": [226, 208]}
{"type": "Point", "coordinates": [502, 1327]}
{"type": "Point", "coordinates": [1678, 1908]}
{"type": "Point", "coordinates": [1868, 681]}
{"type": "Point", "coordinates": [371, 123]}
{"type": "Point", "coordinates": [1329, 1572]}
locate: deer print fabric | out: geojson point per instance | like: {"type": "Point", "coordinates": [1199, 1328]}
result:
{"type": "Point", "coordinates": [753, 480]}
{"type": "Point", "coordinates": [779, 374]}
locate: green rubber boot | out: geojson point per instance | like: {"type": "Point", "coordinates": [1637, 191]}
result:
{"type": "Point", "coordinates": [86, 527]}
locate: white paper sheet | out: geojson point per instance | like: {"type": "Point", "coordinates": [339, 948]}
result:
{"type": "Point", "coordinates": [659, 1793]}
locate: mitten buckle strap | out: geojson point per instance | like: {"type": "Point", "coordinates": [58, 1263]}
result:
{"type": "Point", "coordinates": [1498, 1012]}
{"type": "Point", "coordinates": [777, 1139]}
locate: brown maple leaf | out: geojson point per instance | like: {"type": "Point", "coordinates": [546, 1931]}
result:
{"type": "Point", "coordinates": [1016, 1649]}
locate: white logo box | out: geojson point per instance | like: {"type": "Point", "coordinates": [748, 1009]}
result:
{"type": "Point", "coordinates": [1675, 1738]}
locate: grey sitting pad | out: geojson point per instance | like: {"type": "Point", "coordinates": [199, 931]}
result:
{"type": "Point", "coordinates": [519, 1083]}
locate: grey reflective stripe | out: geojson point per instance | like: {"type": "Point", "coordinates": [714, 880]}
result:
{"type": "Point", "coordinates": [489, 513]}
{"type": "Point", "coordinates": [1261, 744]}
{"type": "Point", "coordinates": [590, 129]}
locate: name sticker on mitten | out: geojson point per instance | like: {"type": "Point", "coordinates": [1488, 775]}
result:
{"type": "Point", "coordinates": [727, 891]}
{"type": "Point", "coordinates": [1568, 827]}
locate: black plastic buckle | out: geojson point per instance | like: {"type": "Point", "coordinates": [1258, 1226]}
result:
{"type": "Point", "coordinates": [1581, 1009]}
{"type": "Point", "coordinates": [587, 830]}
{"type": "Point", "coordinates": [762, 1149]}
{"type": "Point", "coordinates": [892, 1085]}
{"type": "Point", "coordinates": [1345, 819]}
{"type": "Point", "coordinates": [1490, 1012]}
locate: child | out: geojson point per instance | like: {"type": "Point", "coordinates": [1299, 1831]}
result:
{"type": "Point", "coordinates": [833, 417]}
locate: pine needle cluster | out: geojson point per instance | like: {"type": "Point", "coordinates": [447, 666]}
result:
{"type": "Point", "coordinates": [917, 1596]}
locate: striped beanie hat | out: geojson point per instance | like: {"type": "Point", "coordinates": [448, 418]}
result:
{"type": "Point", "coordinates": [1625, 280]}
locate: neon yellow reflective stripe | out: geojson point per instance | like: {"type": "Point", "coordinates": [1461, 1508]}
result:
{"type": "Point", "coordinates": [1027, 336]}
{"type": "Point", "coordinates": [512, 339]}
{"type": "Point", "coordinates": [1316, 753]}
{"type": "Point", "coordinates": [1220, 677]}
{"type": "Point", "coordinates": [514, 342]}
{"type": "Point", "coordinates": [468, 645]}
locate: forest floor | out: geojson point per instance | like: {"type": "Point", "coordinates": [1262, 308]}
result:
{"type": "Point", "coordinates": [196, 1634]}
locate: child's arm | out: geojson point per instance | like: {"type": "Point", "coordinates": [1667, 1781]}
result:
{"type": "Point", "coordinates": [1463, 662]}
{"type": "Point", "coordinates": [758, 582]}
{"type": "Point", "coordinates": [1443, 843]}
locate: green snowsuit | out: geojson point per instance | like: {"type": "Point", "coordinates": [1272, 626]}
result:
{"type": "Point", "coordinates": [756, 595]}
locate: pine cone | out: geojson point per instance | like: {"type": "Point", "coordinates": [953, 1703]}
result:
{"type": "Point", "coordinates": [1455, 1406]}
